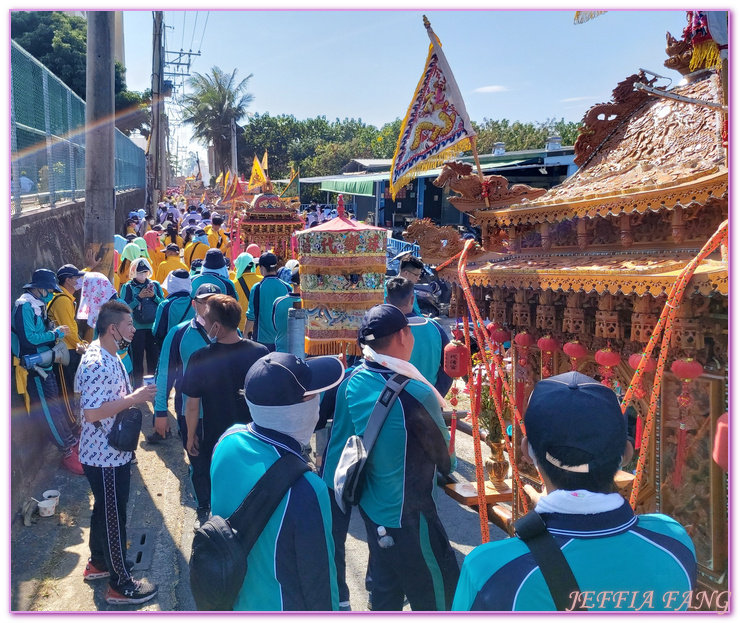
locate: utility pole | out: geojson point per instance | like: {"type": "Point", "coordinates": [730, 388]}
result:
{"type": "Point", "coordinates": [156, 154]}
{"type": "Point", "coordinates": [100, 192]}
{"type": "Point", "coordinates": [233, 147]}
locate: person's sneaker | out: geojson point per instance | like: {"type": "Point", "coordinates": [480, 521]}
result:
{"type": "Point", "coordinates": [344, 606]}
{"type": "Point", "coordinates": [133, 592]}
{"type": "Point", "coordinates": [203, 515]}
{"type": "Point", "coordinates": [156, 438]}
{"type": "Point", "coordinates": [72, 463]}
{"type": "Point", "coordinates": [92, 572]}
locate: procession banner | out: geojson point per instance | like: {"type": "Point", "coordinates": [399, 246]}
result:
{"type": "Point", "coordinates": [293, 189]}
{"type": "Point", "coordinates": [436, 126]}
{"type": "Point", "coordinates": [258, 175]}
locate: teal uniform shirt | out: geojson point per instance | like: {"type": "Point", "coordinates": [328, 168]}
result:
{"type": "Point", "coordinates": [176, 308]}
{"type": "Point", "coordinates": [261, 297]}
{"type": "Point", "coordinates": [30, 332]}
{"type": "Point", "coordinates": [621, 561]}
{"type": "Point", "coordinates": [291, 566]}
{"type": "Point", "coordinates": [130, 295]}
{"type": "Point", "coordinates": [226, 285]}
{"type": "Point", "coordinates": [280, 319]}
{"type": "Point", "coordinates": [412, 444]}
{"type": "Point", "coordinates": [181, 342]}
{"type": "Point", "coordinates": [428, 354]}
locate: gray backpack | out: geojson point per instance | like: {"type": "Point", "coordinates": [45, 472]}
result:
{"type": "Point", "coordinates": [349, 475]}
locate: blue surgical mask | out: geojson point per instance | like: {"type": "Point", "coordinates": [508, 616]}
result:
{"type": "Point", "coordinates": [212, 339]}
{"type": "Point", "coordinates": [46, 298]}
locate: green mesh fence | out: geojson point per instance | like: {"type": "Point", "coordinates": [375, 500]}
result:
{"type": "Point", "coordinates": [48, 139]}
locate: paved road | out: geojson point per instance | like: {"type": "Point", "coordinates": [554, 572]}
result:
{"type": "Point", "coordinates": [48, 558]}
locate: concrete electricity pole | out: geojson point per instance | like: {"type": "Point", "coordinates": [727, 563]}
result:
{"type": "Point", "coordinates": [100, 192]}
{"type": "Point", "coordinates": [156, 142]}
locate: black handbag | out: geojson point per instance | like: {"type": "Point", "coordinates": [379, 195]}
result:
{"type": "Point", "coordinates": [124, 436]}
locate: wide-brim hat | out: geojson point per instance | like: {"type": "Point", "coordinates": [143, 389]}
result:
{"type": "Point", "coordinates": [43, 279]}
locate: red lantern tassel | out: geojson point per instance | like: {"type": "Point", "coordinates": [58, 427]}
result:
{"type": "Point", "coordinates": [638, 434]}
{"type": "Point", "coordinates": [680, 451]}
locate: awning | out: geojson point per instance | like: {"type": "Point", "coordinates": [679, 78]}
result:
{"type": "Point", "coordinates": [639, 273]}
{"type": "Point", "coordinates": [360, 185]}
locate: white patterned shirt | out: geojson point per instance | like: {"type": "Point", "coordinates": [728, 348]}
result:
{"type": "Point", "coordinates": [100, 378]}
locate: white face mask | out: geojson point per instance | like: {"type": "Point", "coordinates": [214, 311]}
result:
{"type": "Point", "coordinates": [297, 421]}
{"type": "Point", "coordinates": [200, 320]}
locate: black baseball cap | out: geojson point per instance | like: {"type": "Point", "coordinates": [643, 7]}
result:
{"type": "Point", "coordinates": [172, 247]}
{"type": "Point", "coordinates": [268, 260]}
{"type": "Point", "coordinates": [207, 290]}
{"type": "Point", "coordinates": [382, 321]}
{"type": "Point", "coordinates": [575, 411]}
{"type": "Point", "coordinates": [281, 379]}
{"type": "Point", "coordinates": [67, 271]}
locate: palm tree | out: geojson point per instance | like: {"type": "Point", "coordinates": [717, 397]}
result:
{"type": "Point", "coordinates": [216, 99]}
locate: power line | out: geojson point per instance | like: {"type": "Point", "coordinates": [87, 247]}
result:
{"type": "Point", "coordinates": [183, 29]}
{"type": "Point", "coordinates": [208, 13]}
{"type": "Point", "coordinates": [194, 26]}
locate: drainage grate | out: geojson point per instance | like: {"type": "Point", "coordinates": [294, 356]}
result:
{"type": "Point", "coordinates": [141, 550]}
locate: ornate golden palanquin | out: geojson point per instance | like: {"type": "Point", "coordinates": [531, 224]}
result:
{"type": "Point", "coordinates": [593, 259]}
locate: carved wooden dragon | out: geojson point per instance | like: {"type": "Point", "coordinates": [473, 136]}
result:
{"type": "Point", "coordinates": [601, 119]}
{"type": "Point", "coordinates": [458, 176]}
{"type": "Point", "coordinates": [436, 244]}
{"type": "Point", "coordinates": [679, 54]}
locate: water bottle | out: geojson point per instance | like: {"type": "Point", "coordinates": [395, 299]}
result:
{"type": "Point", "coordinates": [385, 540]}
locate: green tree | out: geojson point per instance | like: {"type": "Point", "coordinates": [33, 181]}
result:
{"type": "Point", "coordinates": [59, 42]}
{"type": "Point", "coordinates": [215, 101]}
{"type": "Point", "coordinates": [274, 134]}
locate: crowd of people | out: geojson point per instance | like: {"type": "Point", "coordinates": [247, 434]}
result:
{"type": "Point", "coordinates": [201, 319]}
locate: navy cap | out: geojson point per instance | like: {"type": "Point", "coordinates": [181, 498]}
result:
{"type": "Point", "coordinates": [172, 247]}
{"type": "Point", "coordinates": [200, 232]}
{"type": "Point", "coordinates": [575, 411]}
{"type": "Point", "coordinates": [382, 321]}
{"type": "Point", "coordinates": [281, 379]}
{"type": "Point", "coordinates": [217, 219]}
{"type": "Point", "coordinates": [214, 260]}
{"type": "Point", "coordinates": [181, 273]}
{"type": "Point", "coordinates": [268, 260]}
{"type": "Point", "coordinates": [43, 279]}
{"type": "Point", "coordinates": [207, 290]}
{"type": "Point", "coordinates": [67, 271]}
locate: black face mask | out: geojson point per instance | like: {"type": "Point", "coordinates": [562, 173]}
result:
{"type": "Point", "coordinates": [121, 342]}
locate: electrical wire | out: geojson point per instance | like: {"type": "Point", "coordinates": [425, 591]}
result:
{"type": "Point", "coordinates": [194, 26]}
{"type": "Point", "coordinates": [208, 13]}
{"type": "Point", "coordinates": [182, 41]}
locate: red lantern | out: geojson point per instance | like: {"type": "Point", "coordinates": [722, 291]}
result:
{"type": "Point", "coordinates": [524, 341]}
{"type": "Point", "coordinates": [721, 442]}
{"type": "Point", "coordinates": [650, 366]}
{"type": "Point", "coordinates": [491, 327]}
{"type": "Point", "coordinates": [687, 370]}
{"type": "Point", "coordinates": [500, 335]}
{"type": "Point", "coordinates": [547, 346]}
{"type": "Point", "coordinates": [575, 350]}
{"type": "Point", "coordinates": [607, 359]}
{"type": "Point", "coordinates": [456, 359]}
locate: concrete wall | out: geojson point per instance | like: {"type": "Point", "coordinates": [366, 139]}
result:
{"type": "Point", "coordinates": [45, 238]}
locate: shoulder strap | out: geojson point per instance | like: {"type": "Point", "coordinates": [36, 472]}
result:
{"type": "Point", "coordinates": [245, 287]}
{"type": "Point", "coordinates": [393, 387]}
{"type": "Point", "coordinates": [256, 331]}
{"type": "Point", "coordinates": [249, 520]}
{"type": "Point", "coordinates": [550, 559]}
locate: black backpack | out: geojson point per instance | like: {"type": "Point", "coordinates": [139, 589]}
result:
{"type": "Point", "coordinates": [146, 311]}
{"type": "Point", "coordinates": [218, 562]}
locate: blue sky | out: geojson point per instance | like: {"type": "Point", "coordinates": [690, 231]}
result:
{"type": "Point", "coordinates": [520, 65]}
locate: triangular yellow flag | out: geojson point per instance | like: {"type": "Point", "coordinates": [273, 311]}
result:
{"type": "Point", "coordinates": [219, 178]}
{"type": "Point", "coordinates": [226, 180]}
{"type": "Point", "coordinates": [264, 161]}
{"type": "Point", "coordinates": [258, 175]}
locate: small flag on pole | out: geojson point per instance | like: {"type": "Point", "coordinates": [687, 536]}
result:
{"type": "Point", "coordinates": [581, 17]}
{"type": "Point", "coordinates": [293, 189]}
{"type": "Point", "coordinates": [264, 161]}
{"type": "Point", "coordinates": [220, 178]}
{"type": "Point", "coordinates": [258, 175]}
{"type": "Point", "coordinates": [436, 125]}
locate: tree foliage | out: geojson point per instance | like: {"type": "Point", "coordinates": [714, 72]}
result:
{"type": "Point", "coordinates": [59, 42]}
{"type": "Point", "coordinates": [216, 99]}
{"type": "Point", "coordinates": [518, 135]}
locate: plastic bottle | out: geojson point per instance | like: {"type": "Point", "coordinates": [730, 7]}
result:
{"type": "Point", "coordinates": [384, 540]}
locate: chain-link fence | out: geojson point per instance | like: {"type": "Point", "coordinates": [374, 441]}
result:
{"type": "Point", "coordinates": [47, 130]}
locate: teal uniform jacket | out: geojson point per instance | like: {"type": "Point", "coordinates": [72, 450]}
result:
{"type": "Point", "coordinates": [30, 334]}
{"type": "Point", "coordinates": [261, 297]}
{"type": "Point", "coordinates": [130, 295]}
{"type": "Point", "coordinates": [176, 308]}
{"type": "Point", "coordinates": [181, 342]}
{"type": "Point", "coordinates": [428, 354]}
{"type": "Point", "coordinates": [621, 562]}
{"type": "Point", "coordinates": [226, 285]}
{"type": "Point", "coordinates": [291, 566]}
{"type": "Point", "coordinates": [280, 319]}
{"type": "Point", "coordinates": [411, 446]}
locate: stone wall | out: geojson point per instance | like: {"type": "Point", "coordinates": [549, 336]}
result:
{"type": "Point", "coordinates": [45, 238]}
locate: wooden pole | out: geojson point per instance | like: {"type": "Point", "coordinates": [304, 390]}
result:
{"type": "Point", "coordinates": [474, 147]}
{"type": "Point", "coordinates": [100, 192]}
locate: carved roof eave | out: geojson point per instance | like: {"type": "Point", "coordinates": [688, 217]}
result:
{"type": "Point", "coordinates": [654, 199]}
{"type": "Point", "coordinates": [710, 278]}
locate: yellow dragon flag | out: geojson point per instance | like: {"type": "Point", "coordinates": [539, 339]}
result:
{"type": "Point", "coordinates": [258, 175]}
{"type": "Point", "coordinates": [581, 17]}
{"type": "Point", "coordinates": [436, 125]}
{"type": "Point", "coordinates": [219, 178]}
{"type": "Point", "coordinates": [226, 179]}
{"type": "Point", "coordinates": [264, 161]}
